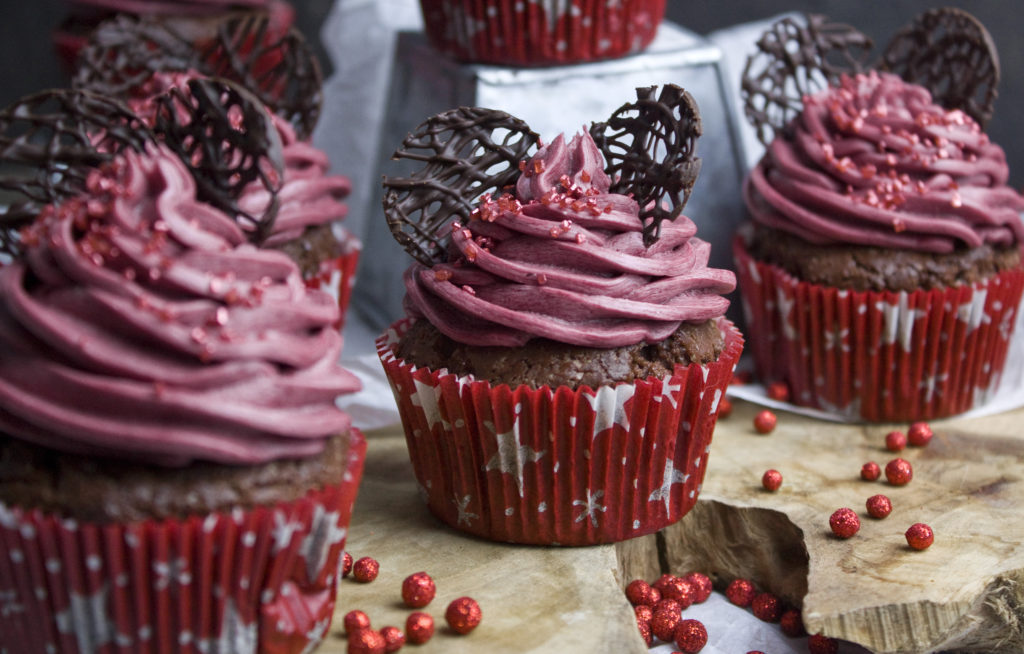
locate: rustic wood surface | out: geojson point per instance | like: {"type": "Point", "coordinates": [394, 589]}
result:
{"type": "Point", "coordinates": [965, 593]}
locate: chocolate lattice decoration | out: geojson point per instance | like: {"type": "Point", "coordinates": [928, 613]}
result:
{"type": "Point", "coordinates": [48, 144]}
{"type": "Point", "coordinates": [949, 52]}
{"type": "Point", "coordinates": [650, 152]}
{"type": "Point", "coordinates": [226, 137]}
{"type": "Point", "coordinates": [794, 60]}
{"type": "Point", "coordinates": [465, 153]}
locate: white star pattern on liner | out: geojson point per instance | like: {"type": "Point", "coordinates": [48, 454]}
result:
{"type": "Point", "coordinates": [973, 312]}
{"type": "Point", "coordinates": [669, 391]}
{"type": "Point", "coordinates": [898, 322]}
{"type": "Point", "coordinates": [425, 397]}
{"type": "Point", "coordinates": [316, 635]}
{"type": "Point", "coordinates": [9, 604]}
{"type": "Point", "coordinates": [284, 529]}
{"type": "Point", "coordinates": [9, 518]}
{"type": "Point", "coordinates": [323, 534]}
{"type": "Point", "coordinates": [464, 515]}
{"type": "Point", "coordinates": [1006, 325]}
{"type": "Point", "coordinates": [235, 637]}
{"type": "Point", "coordinates": [87, 619]}
{"type": "Point", "coordinates": [609, 406]}
{"type": "Point", "coordinates": [172, 570]}
{"type": "Point", "coordinates": [835, 339]}
{"type": "Point", "coordinates": [930, 385]}
{"type": "Point", "coordinates": [590, 507]}
{"type": "Point", "coordinates": [671, 475]}
{"type": "Point", "coordinates": [511, 455]}
{"type": "Point", "coordinates": [785, 305]}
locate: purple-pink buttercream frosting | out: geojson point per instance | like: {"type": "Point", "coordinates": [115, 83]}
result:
{"type": "Point", "coordinates": [565, 260]}
{"type": "Point", "coordinates": [141, 324]}
{"type": "Point", "coordinates": [874, 161]}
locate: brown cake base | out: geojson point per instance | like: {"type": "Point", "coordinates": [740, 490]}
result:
{"type": "Point", "coordinates": [543, 362]}
{"type": "Point", "coordinates": [102, 491]}
{"type": "Point", "coordinates": [863, 268]}
{"type": "Point", "coordinates": [317, 244]}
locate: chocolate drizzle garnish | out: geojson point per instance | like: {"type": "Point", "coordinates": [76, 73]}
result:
{"type": "Point", "coordinates": [465, 153]}
{"type": "Point", "coordinates": [794, 60]}
{"type": "Point", "coordinates": [950, 53]}
{"type": "Point", "coordinates": [48, 144]}
{"type": "Point", "coordinates": [228, 140]}
{"type": "Point", "coordinates": [649, 148]}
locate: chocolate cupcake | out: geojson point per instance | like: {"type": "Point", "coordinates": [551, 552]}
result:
{"type": "Point", "coordinates": [881, 273]}
{"type": "Point", "coordinates": [559, 371]}
{"type": "Point", "coordinates": [173, 468]}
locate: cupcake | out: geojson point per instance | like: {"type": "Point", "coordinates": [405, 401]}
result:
{"type": "Point", "coordinates": [173, 469]}
{"type": "Point", "coordinates": [559, 371]}
{"type": "Point", "coordinates": [141, 61]}
{"type": "Point", "coordinates": [881, 272]}
{"type": "Point", "coordinates": [540, 32]}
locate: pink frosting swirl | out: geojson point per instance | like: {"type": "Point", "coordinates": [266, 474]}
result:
{"type": "Point", "coordinates": [875, 162]}
{"type": "Point", "coordinates": [566, 261]}
{"type": "Point", "coordinates": [140, 324]}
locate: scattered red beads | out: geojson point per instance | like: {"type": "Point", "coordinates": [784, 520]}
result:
{"type": "Point", "coordinates": [419, 627]}
{"type": "Point", "coordinates": [366, 641]}
{"type": "Point", "coordinates": [394, 639]}
{"type": "Point", "coordinates": [740, 592]}
{"type": "Point", "coordinates": [701, 585]}
{"type": "Point", "coordinates": [354, 621]}
{"type": "Point", "coordinates": [724, 407]}
{"type": "Point", "coordinates": [646, 634]}
{"type": "Point", "coordinates": [641, 593]}
{"type": "Point", "coordinates": [691, 636]}
{"type": "Point", "coordinates": [778, 391]}
{"type": "Point", "coordinates": [919, 434]}
{"type": "Point", "coordinates": [767, 607]}
{"type": "Point", "coordinates": [895, 441]}
{"type": "Point", "coordinates": [879, 506]}
{"type": "Point", "coordinates": [920, 536]}
{"type": "Point", "coordinates": [791, 623]}
{"type": "Point", "coordinates": [346, 564]}
{"type": "Point", "coordinates": [365, 570]}
{"type": "Point", "coordinates": [771, 480]}
{"type": "Point", "coordinates": [664, 623]}
{"type": "Point", "coordinates": [675, 588]}
{"type": "Point", "coordinates": [818, 644]}
{"type": "Point", "coordinates": [899, 472]}
{"type": "Point", "coordinates": [463, 615]}
{"type": "Point", "coordinates": [844, 523]}
{"type": "Point", "coordinates": [870, 471]}
{"type": "Point", "coordinates": [764, 422]}
{"type": "Point", "coordinates": [418, 590]}
{"type": "Point", "coordinates": [667, 605]}
{"type": "Point", "coordinates": [643, 614]}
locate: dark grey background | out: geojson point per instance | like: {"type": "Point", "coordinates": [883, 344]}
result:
{"type": "Point", "coordinates": [27, 62]}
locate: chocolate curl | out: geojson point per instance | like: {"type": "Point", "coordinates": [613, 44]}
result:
{"type": "Point", "coordinates": [650, 152]}
{"type": "Point", "coordinates": [462, 153]}
{"type": "Point", "coordinates": [950, 53]}
{"type": "Point", "coordinates": [228, 140]}
{"type": "Point", "coordinates": [48, 144]}
{"type": "Point", "coordinates": [795, 60]}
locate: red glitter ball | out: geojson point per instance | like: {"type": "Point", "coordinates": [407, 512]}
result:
{"type": "Point", "coordinates": [664, 623]}
{"type": "Point", "coordinates": [870, 471]}
{"type": "Point", "coordinates": [899, 472]}
{"type": "Point", "coordinates": [394, 639]}
{"type": "Point", "coordinates": [818, 644]}
{"type": "Point", "coordinates": [791, 623]}
{"type": "Point", "coordinates": [778, 391]}
{"type": "Point", "coordinates": [755, 651]}
{"type": "Point", "coordinates": [643, 614]}
{"type": "Point", "coordinates": [920, 536]}
{"type": "Point", "coordinates": [919, 434]}
{"type": "Point", "coordinates": [879, 506]}
{"type": "Point", "coordinates": [764, 422]}
{"type": "Point", "coordinates": [366, 641]}
{"type": "Point", "coordinates": [639, 593]}
{"type": "Point", "coordinates": [463, 615]}
{"type": "Point", "coordinates": [645, 633]}
{"type": "Point", "coordinates": [365, 570]}
{"type": "Point", "coordinates": [701, 585]}
{"type": "Point", "coordinates": [667, 605]}
{"type": "Point", "coordinates": [419, 627]}
{"type": "Point", "coordinates": [740, 592]}
{"type": "Point", "coordinates": [417, 590]}
{"type": "Point", "coordinates": [691, 636]}
{"type": "Point", "coordinates": [767, 607]}
{"type": "Point", "coordinates": [844, 523]}
{"type": "Point", "coordinates": [676, 588]}
{"type": "Point", "coordinates": [895, 441]}
{"type": "Point", "coordinates": [354, 621]}
{"type": "Point", "coordinates": [771, 480]}
{"type": "Point", "coordinates": [346, 564]}
{"type": "Point", "coordinates": [724, 407]}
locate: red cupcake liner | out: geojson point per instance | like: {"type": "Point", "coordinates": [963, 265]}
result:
{"type": "Point", "coordinates": [559, 466]}
{"type": "Point", "coordinates": [337, 276]}
{"type": "Point", "coordinates": [879, 356]}
{"type": "Point", "coordinates": [540, 32]}
{"type": "Point", "coordinates": [263, 579]}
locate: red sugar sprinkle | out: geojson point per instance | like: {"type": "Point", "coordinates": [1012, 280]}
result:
{"type": "Point", "coordinates": [463, 615]}
{"type": "Point", "coordinates": [419, 627]}
{"type": "Point", "coordinates": [538, 166]}
{"type": "Point", "coordinates": [442, 275]}
{"type": "Point", "coordinates": [844, 523]}
{"type": "Point", "coordinates": [740, 592]}
{"type": "Point", "coordinates": [895, 441]}
{"type": "Point", "coordinates": [764, 422]}
{"type": "Point", "coordinates": [691, 636]}
{"type": "Point", "coordinates": [899, 472]}
{"type": "Point", "coordinates": [355, 620]}
{"type": "Point", "coordinates": [766, 607]}
{"type": "Point", "coordinates": [870, 471]}
{"type": "Point", "coordinates": [701, 585]}
{"type": "Point", "coordinates": [771, 480]}
{"type": "Point", "coordinates": [879, 506]}
{"type": "Point", "coordinates": [791, 623]}
{"type": "Point", "coordinates": [819, 644]}
{"type": "Point", "coordinates": [919, 434]}
{"type": "Point", "coordinates": [365, 570]}
{"type": "Point", "coordinates": [920, 536]}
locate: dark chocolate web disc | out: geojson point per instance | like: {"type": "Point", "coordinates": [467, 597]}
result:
{"type": "Point", "coordinates": [458, 156]}
{"type": "Point", "coordinates": [793, 60]}
{"type": "Point", "coordinates": [650, 152]}
{"type": "Point", "coordinates": [48, 144]}
{"type": "Point", "coordinates": [950, 53]}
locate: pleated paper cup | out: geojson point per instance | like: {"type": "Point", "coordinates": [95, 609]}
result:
{"type": "Point", "coordinates": [559, 466]}
{"type": "Point", "coordinates": [540, 32]}
{"type": "Point", "coordinates": [879, 356]}
{"type": "Point", "coordinates": [262, 579]}
{"type": "Point", "coordinates": [337, 276]}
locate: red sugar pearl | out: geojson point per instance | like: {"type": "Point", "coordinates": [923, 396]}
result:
{"type": "Point", "coordinates": [771, 480]}
{"type": "Point", "coordinates": [764, 422]}
{"type": "Point", "coordinates": [818, 644]}
{"type": "Point", "coordinates": [419, 627]}
{"type": "Point", "coordinates": [394, 639]}
{"type": "Point", "coordinates": [879, 506]}
{"type": "Point", "coordinates": [463, 615]}
{"type": "Point", "coordinates": [791, 623]}
{"type": "Point", "coordinates": [895, 441]}
{"type": "Point", "coordinates": [724, 407]}
{"type": "Point", "coordinates": [844, 523]}
{"type": "Point", "coordinates": [778, 391]}
{"type": "Point", "coordinates": [691, 636]}
{"type": "Point", "coordinates": [645, 633]}
{"type": "Point", "coordinates": [418, 590]}
{"type": "Point", "coordinates": [701, 585]}
{"type": "Point", "coordinates": [919, 434]}
{"type": "Point", "coordinates": [740, 592]}
{"type": "Point", "coordinates": [354, 621]}
{"type": "Point", "coordinates": [870, 471]}
{"type": "Point", "coordinates": [365, 570]}
{"type": "Point", "coordinates": [767, 607]}
{"type": "Point", "coordinates": [899, 472]}
{"type": "Point", "coordinates": [644, 614]}
{"type": "Point", "coordinates": [664, 623]}
{"type": "Point", "coordinates": [346, 564]}
{"type": "Point", "coordinates": [920, 536]}
{"type": "Point", "coordinates": [366, 641]}
{"type": "Point", "coordinates": [676, 588]}
{"type": "Point", "coordinates": [640, 593]}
